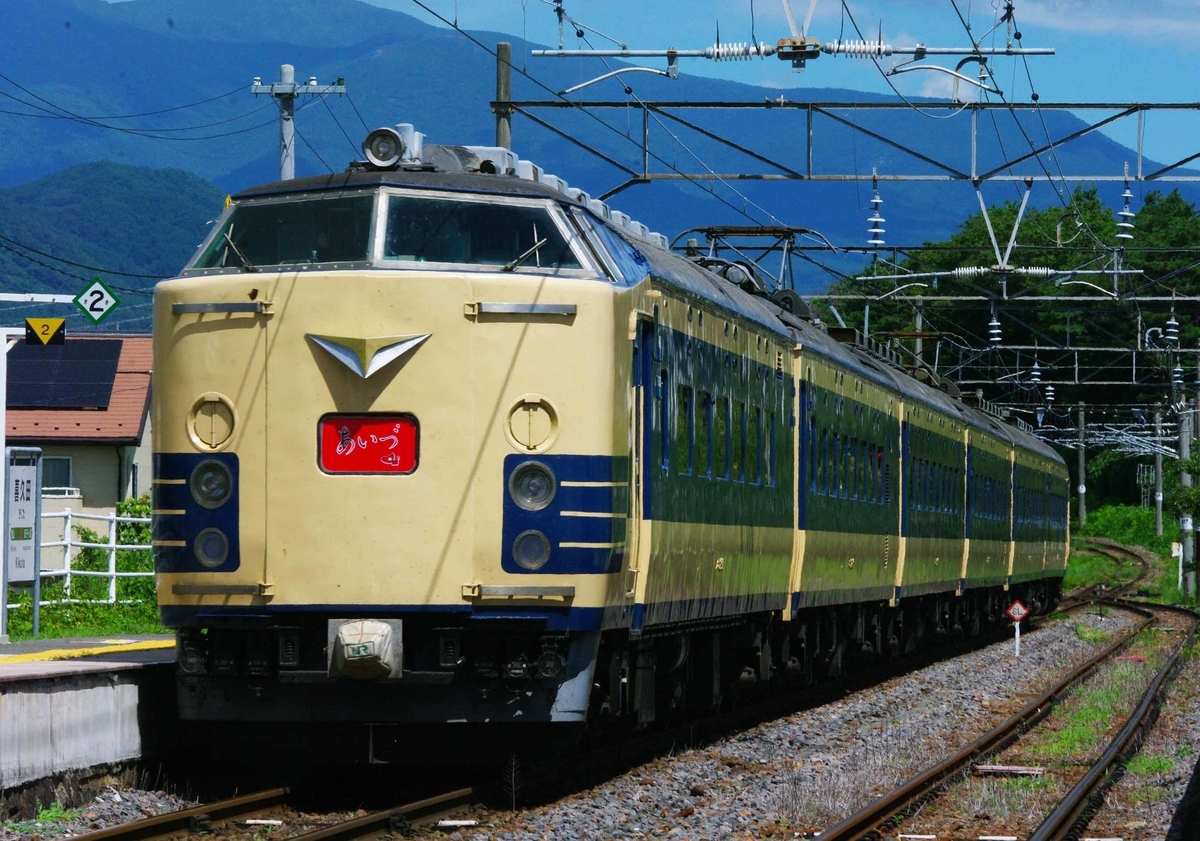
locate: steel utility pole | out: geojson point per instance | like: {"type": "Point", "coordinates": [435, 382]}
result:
{"type": "Point", "coordinates": [1185, 479]}
{"type": "Point", "coordinates": [1082, 469]}
{"type": "Point", "coordinates": [285, 92]}
{"type": "Point", "coordinates": [1158, 496]}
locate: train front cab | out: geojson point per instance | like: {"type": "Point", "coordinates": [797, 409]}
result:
{"type": "Point", "coordinates": [401, 463]}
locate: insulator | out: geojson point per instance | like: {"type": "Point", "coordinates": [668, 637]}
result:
{"type": "Point", "coordinates": [876, 220]}
{"type": "Point", "coordinates": [969, 271]}
{"type": "Point", "coordinates": [1036, 271]}
{"type": "Point", "coordinates": [875, 242]}
{"type": "Point", "coordinates": [1171, 334]}
{"type": "Point", "coordinates": [1049, 394]}
{"type": "Point", "coordinates": [994, 331]}
{"type": "Point", "coordinates": [1127, 195]}
{"type": "Point", "coordinates": [736, 51]}
{"type": "Point", "coordinates": [876, 231]}
{"type": "Point", "coordinates": [1035, 374]}
{"type": "Point", "coordinates": [857, 49]}
{"type": "Point", "coordinates": [1177, 374]}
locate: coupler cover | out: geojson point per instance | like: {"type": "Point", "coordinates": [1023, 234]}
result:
{"type": "Point", "coordinates": [365, 649]}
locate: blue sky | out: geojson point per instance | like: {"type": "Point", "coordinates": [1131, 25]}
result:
{"type": "Point", "coordinates": [1107, 50]}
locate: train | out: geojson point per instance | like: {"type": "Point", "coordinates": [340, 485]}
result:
{"type": "Point", "coordinates": [441, 440]}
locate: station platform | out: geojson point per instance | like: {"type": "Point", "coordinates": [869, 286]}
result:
{"type": "Point", "coordinates": [75, 704]}
{"type": "Point", "coordinates": [49, 657]}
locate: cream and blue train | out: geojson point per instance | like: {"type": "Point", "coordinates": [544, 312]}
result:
{"type": "Point", "coordinates": [443, 440]}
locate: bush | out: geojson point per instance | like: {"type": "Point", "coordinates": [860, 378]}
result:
{"type": "Point", "coordinates": [136, 611]}
{"type": "Point", "coordinates": [1131, 525]}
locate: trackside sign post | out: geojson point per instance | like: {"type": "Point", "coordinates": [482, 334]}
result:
{"type": "Point", "coordinates": [22, 529]}
{"type": "Point", "coordinates": [1016, 612]}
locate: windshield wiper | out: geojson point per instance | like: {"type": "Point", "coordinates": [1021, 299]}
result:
{"type": "Point", "coordinates": [246, 264]}
{"type": "Point", "coordinates": [521, 258]}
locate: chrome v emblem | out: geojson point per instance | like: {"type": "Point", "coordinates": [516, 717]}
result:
{"type": "Point", "coordinates": [366, 356]}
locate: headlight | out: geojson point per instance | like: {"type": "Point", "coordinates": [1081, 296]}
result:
{"type": "Point", "coordinates": [211, 484]}
{"type": "Point", "coordinates": [532, 486]}
{"type": "Point", "coordinates": [384, 147]}
{"type": "Point", "coordinates": [212, 547]}
{"type": "Point", "coordinates": [531, 550]}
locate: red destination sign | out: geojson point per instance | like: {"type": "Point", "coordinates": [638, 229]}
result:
{"type": "Point", "coordinates": [368, 444]}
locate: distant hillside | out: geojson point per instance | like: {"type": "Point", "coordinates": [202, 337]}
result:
{"type": "Point", "coordinates": [120, 218]}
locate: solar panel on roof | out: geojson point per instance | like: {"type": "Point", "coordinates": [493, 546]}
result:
{"type": "Point", "coordinates": [75, 375]}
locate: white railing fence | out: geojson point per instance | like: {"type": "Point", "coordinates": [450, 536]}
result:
{"type": "Point", "coordinates": [71, 542]}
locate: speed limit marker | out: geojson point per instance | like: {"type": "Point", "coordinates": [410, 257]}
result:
{"type": "Point", "coordinates": [1017, 611]}
{"type": "Point", "coordinates": [97, 301]}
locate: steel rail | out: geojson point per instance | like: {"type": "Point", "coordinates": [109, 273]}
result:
{"type": "Point", "coordinates": [189, 820]}
{"type": "Point", "coordinates": [389, 820]}
{"type": "Point", "coordinates": [865, 821]}
{"type": "Point", "coordinates": [1111, 548]}
{"type": "Point", "coordinates": [1076, 810]}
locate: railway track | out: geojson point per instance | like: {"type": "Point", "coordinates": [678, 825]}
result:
{"type": "Point", "coordinates": [881, 818]}
{"type": "Point", "coordinates": [226, 815]}
{"type": "Point", "coordinates": [1117, 552]}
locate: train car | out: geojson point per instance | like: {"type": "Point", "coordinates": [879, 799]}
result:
{"type": "Point", "coordinates": [441, 440]}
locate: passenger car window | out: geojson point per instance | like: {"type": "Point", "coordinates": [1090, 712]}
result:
{"type": "Point", "coordinates": [430, 230]}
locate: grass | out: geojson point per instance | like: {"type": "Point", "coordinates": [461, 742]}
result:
{"type": "Point", "coordinates": [1005, 799]}
{"type": "Point", "coordinates": [54, 813]}
{"type": "Point", "coordinates": [137, 609]}
{"type": "Point", "coordinates": [1086, 569]}
{"type": "Point", "coordinates": [1090, 712]}
{"type": "Point", "coordinates": [1144, 765]}
{"type": "Point", "coordinates": [1090, 635]}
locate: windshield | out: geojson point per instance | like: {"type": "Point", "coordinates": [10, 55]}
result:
{"type": "Point", "coordinates": [449, 231]}
{"type": "Point", "coordinates": [306, 230]}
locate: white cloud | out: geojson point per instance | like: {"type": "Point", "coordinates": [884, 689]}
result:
{"type": "Point", "coordinates": [1176, 20]}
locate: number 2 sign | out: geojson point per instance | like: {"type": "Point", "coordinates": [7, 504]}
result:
{"type": "Point", "coordinates": [97, 301]}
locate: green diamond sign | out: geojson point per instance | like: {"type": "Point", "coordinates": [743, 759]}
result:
{"type": "Point", "coordinates": [97, 301]}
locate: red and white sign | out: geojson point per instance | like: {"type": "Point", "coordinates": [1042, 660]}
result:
{"type": "Point", "coordinates": [1017, 611]}
{"type": "Point", "coordinates": [368, 443]}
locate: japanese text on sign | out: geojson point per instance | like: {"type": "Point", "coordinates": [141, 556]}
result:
{"type": "Point", "coordinates": [368, 444]}
{"type": "Point", "coordinates": [22, 517]}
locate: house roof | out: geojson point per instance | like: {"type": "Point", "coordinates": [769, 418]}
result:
{"type": "Point", "coordinates": [123, 422]}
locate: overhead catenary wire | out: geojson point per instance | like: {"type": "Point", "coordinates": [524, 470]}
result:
{"type": "Point", "coordinates": [582, 109]}
{"type": "Point", "coordinates": [657, 119]}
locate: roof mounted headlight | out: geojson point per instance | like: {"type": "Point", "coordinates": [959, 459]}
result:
{"type": "Point", "coordinates": [384, 147]}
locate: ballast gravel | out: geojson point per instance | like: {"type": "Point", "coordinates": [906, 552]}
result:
{"type": "Point", "coordinates": [792, 777]}
{"type": "Point", "coordinates": [109, 808]}
{"type": "Point", "coordinates": [783, 779]}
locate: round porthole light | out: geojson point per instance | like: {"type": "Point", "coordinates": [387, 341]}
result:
{"type": "Point", "coordinates": [383, 147]}
{"type": "Point", "coordinates": [531, 550]}
{"type": "Point", "coordinates": [211, 484]}
{"type": "Point", "coordinates": [212, 547]}
{"type": "Point", "coordinates": [532, 486]}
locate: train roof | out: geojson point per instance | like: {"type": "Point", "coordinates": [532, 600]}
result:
{"type": "Point", "coordinates": [423, 178]}
{"type": "Point", "coordinates": [665, 267]}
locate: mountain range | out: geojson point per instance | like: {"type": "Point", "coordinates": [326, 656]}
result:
{"type": "Point", "coordinates": [122, 124]}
